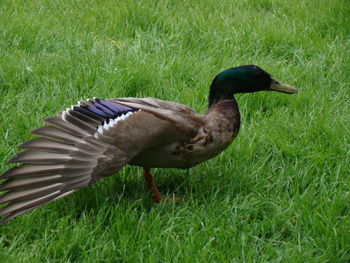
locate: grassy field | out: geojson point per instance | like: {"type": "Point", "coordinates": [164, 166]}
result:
{"type": "Point", "coordinates": [280, 193]}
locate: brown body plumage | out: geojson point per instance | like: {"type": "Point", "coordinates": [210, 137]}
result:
{"type": "Point", "coordinates": [210, 134]}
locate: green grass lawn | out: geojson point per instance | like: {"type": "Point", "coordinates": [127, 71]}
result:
{"type": "Point", "coordinates": [280, 193]}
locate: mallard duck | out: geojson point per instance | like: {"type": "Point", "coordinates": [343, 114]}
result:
{"type": "Point", "coordinates": [95, 138]}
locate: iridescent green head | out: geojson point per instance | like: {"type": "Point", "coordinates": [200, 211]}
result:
{"type": "Point", "coordinates": [244, 79]}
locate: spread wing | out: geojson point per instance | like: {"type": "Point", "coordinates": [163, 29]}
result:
{"type": "Point", "coordinates": [85, 143]}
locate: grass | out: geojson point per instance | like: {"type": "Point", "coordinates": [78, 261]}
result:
{"type": "Point", "coordinates": [280, 193]}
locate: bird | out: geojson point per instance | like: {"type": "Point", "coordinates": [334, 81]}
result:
{"type": "Point", "coordinates": [97, 137]}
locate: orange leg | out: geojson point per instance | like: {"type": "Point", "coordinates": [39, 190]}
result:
{"type": "Point", "coordinates": [149, 180]}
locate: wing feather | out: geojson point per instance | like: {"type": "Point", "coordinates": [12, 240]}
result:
{"type": "Point", "coordinates": [35, 157]}
{"type": "Point", "coordinates": [30, 182]}
{"type": "Point", "coordinates": [22, 195]}
{"type": "Point", "coordinates": [52, 133]}
{"type": "Point", "coordinates": [43, 144]}
{"type": "Point", "coordinates": [61, 124]}
{"type": "Point", "coordinates": [16, 206]}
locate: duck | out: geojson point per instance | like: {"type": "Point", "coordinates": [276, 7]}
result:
{"type": "Point", "coordinates": [96, 138]}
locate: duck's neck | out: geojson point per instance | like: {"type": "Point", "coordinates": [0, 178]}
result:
{"type": "Point", "coordinates": [216, 96]}
{"type": "Point", "coordinates": [225, 107]}
{"type": "Point", "coordinates": [224, 115]}
{"type": "Point", "coordinates": [222, 91]}
{"type": "Point", "coordinates": [222, 103]}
